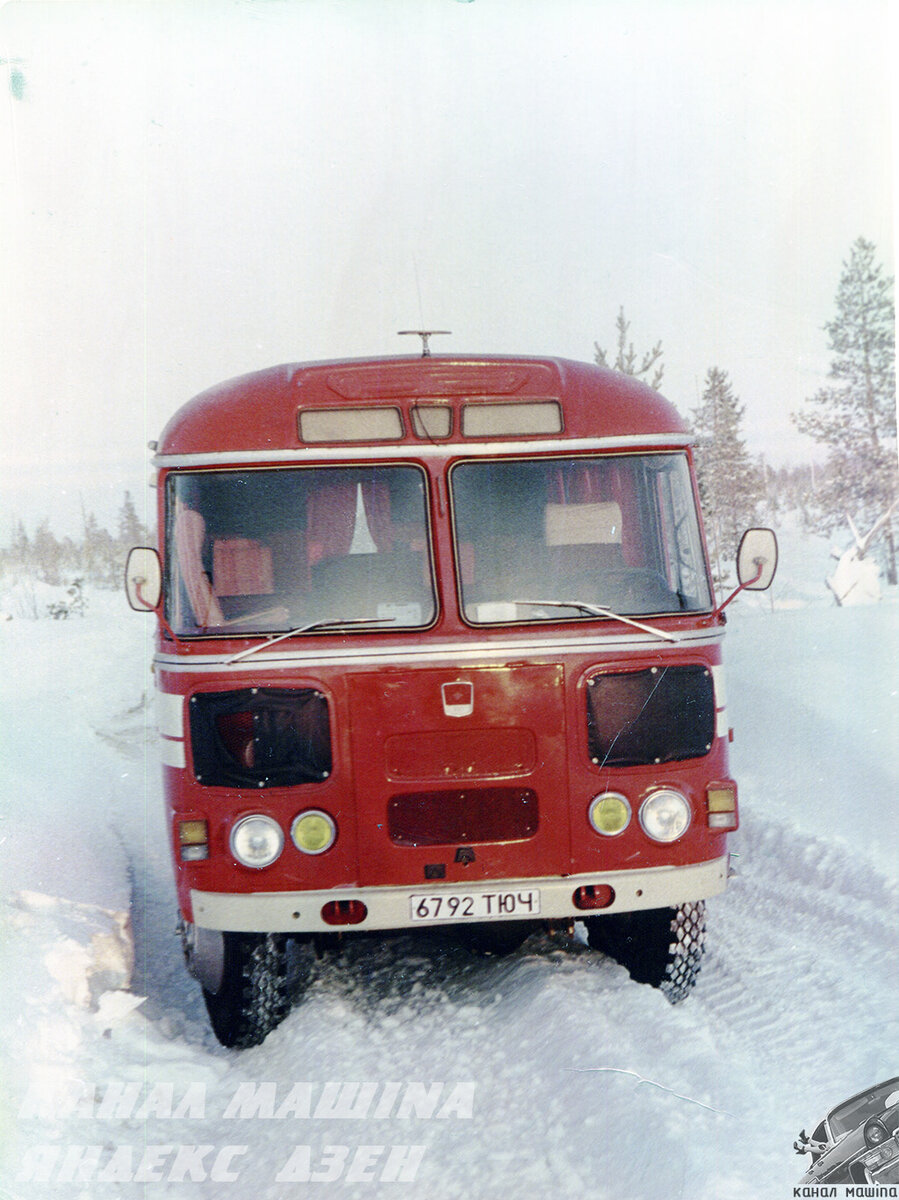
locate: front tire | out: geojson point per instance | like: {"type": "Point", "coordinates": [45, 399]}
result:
{"type": "Point", "coordinates": [253, 996]}
{"type": "Point", "coordinates": [659, 946]}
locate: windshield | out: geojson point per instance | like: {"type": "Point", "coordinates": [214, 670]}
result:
{"type": "Point", "coordinates": [264, 551]}
{"type": "Point", "coordinates": [619, 532]}
{"type": "Point", "coordinates": [856, 1111]}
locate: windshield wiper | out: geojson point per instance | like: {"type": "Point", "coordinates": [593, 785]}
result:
{"type": "Point", "coordinates": [334, 623]}
{"type": "Point", "coordinates": [598, 610]}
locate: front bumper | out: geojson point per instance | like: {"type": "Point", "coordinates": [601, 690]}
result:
{"type": "Point", "coordinates": [390, 907]}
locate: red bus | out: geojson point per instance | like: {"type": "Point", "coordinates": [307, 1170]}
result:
{"type": "Point", "coordinates": [437, 645]}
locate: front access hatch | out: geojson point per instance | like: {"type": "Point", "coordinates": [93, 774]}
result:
{"type": "Point", "coordinates": [446, 759]}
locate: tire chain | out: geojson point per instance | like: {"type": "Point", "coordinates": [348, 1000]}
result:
{"type": "Point", "coordinates": [264, 989]}
{"type": "Point", "coordinates": [685, 951]}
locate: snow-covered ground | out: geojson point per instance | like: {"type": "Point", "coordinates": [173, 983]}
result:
{"type": "Point", "coordinates": [545, 1074]}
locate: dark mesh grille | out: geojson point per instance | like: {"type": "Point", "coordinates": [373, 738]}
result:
{"type": "Point", "coordinates": [457, 817]}
{"type": "Point", "coordinates": [260, 737]}
{"type": "Point", "coordinates": [659, 715]}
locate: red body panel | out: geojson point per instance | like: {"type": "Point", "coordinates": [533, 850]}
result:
{"type": "Point", "coordinates": [517, 728]}
{"type": "Point", "coordinates": [259, 411]}
{"type": "Point", "coordinates": [448, 709]}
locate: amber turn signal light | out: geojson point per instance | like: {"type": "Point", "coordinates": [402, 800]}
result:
{"type": "Point", "coordinates": [193, 839]}
{"type": "Point", "coordinates": [722, 805]}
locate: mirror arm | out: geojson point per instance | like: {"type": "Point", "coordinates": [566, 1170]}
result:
{"type": "Point", "coordinates": [139, 590]}
{"type": "Point", "coordinates": [160, 616]}
{"type": "Point", "coordinates": [165, 626]}
{"type": "Point", "coordinates": [741, 588]}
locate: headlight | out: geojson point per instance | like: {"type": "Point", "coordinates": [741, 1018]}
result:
{"type": "Point", "coordinates": [665, 815]}
{"type": "Point", "coordinates": [876, 1133]}
{"type": "Point", "coordinates": [313, 831]}
{"type": "Point", "coordinates": [256, 841]}
{"type": "Point", "coordinates": [609, 813]}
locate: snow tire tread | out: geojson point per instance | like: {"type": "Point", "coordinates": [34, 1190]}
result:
{"type": "Point", "coordinates": [685, 951]}
{"type": "Point", "coordinates": [662, 947]}
{"type": "Point", "coordinates": [254, 997]}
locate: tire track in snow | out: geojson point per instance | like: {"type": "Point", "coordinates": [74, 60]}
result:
{"type": "Point", "coordinates": [799, 946]}
{"type": "Point", "coordinates": [796, 945]}
{"type": "Point", "coordinates": [801, 973]}
{"type": "Point", "coordinates": [811, 923]}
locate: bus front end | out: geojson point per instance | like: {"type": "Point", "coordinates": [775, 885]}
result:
{"type": "Point", "coordinates": [438, 647]}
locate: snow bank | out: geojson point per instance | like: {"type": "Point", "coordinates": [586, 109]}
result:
{"type": "Point", "coordinates": [580, 1081]}
{"type": "Point", "coordinates": [80, 758]}
{"type": "Point", "coordinates": [90, 950]}
{"type": "Point", "coordinates": [814, 702]}
{"type": "Point", "coordinates": [30, 599]}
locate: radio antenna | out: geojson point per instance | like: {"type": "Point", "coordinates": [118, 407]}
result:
{"type": "Point", "coordinates": [425, 335]}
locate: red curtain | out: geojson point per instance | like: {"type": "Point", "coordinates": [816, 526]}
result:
{"type": "Point", "coordinates": [190, 530]}
{"type": "Point", "coordinates": [330, 520]}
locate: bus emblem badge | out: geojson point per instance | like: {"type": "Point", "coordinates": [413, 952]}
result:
{"type": "Point", "coordinates": [458, 699]}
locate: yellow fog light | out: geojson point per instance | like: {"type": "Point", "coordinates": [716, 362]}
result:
{"type": "Point", "coordinates": [313, 831]}
{"type": "Point", "coordinates": [609, 813]}
{"type": "Point", "coordinates": [193, 838]}
{"type": "Point", "coordinates": [722, 805]}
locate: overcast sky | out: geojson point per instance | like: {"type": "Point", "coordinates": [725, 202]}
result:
{"type": "Point", "coordinates": [192, 189]}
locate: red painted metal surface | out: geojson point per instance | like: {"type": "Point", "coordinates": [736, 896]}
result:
{"type": "Point", "coordinates": [527, 699]}
{"type": "Point", "coordinates": [489, 715]}
{"type": "Point", "coordinates": [259, 411]}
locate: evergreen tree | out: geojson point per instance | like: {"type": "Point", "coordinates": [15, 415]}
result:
{"type": "Point", "coordinates": [109, 561]}
{"type": "Point", "coordinates": [771, 499]}
{"type": "Point", "coordinates": [730, 485]}
{"type": "Point", "coordinates": [47, 553]}
{"type": "Point", "coordinates": [626, 357]}
{"type": "Point", "coordinates": [95, 549]}
{"type": "Point", "coordinates": [855, 415]}
{"type": "Point", "coordinates": [131, 532]}
{"type": "Point", "coordinates": [21, 546]}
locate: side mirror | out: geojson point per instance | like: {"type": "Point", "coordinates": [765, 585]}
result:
{"type": "Point", "coordinates": [757, 559]}
{"type": "Point", "coordinates": [143, 579]}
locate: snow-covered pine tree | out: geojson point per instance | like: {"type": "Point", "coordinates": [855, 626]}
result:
{"type": "Point", "coordinates": [626, 357]}
{"type": "Point", "coordinates": [101, 559]}
{"type": "Point", "coordinates": [46, 553]}
{"type": "Point", "coordinates": [20, 547]}
{"type": "Point", "coordinates": [855, 415]}
{"type": "Point", "coordinates": [730, 484]}
{"type": "Point", "coordinates": [131, 532]}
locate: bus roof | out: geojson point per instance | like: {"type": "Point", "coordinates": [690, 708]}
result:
{"type": "Point", "coordinates": [301, 406]}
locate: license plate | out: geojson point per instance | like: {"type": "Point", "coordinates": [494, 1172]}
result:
{"type": "Point", "coordinates": [475, 906]}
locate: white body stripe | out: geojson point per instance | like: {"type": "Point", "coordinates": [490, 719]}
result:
{"type": "Point", "coordinates": [721, 725]}
{"type": "Point", "coordinates": [409, 452]}
{"type": "Point", "coordinates": [170, 714]}
{"type": "Point", "coordinates": [720, 690]}
{"type": "Point", "coordinates": [312, 657]}
{"type": "Point", "coordinates": [171, 752]}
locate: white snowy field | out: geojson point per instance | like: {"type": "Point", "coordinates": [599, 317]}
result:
{"type": "Point", "coordinates": [549, 1073]}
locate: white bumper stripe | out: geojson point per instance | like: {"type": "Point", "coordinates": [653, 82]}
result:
{"type": "Point", "coordinates": [389, 907]}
